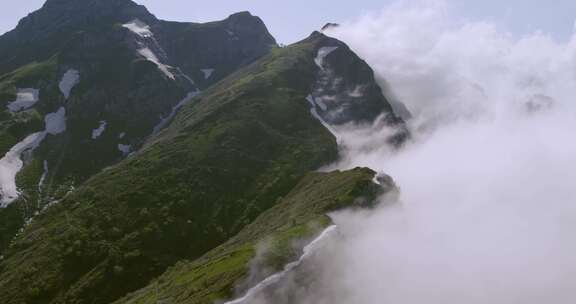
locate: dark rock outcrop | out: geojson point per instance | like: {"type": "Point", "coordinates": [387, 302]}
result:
{"type": "Point", "coordinates": [346, 91]}
{"type": "Point", "coordinates": [209, 52]}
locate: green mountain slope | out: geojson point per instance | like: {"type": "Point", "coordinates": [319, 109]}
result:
{"type": "Point", "coordinates": [281, 230]}
{"type": "Point", "coordinates": [129, 86]}
{"type": "Point", "coordinates": [227, 157]}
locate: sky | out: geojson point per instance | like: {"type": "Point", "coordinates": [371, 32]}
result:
{"type": "Point", "coordinates": [290, 21]}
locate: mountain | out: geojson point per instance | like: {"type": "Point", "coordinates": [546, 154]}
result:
{"type": "Point", "coordinates": [135, 144]}
{"type": "Point", "coordinates": [114, 74]}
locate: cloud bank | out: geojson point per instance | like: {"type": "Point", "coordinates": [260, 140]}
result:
{"type": "Point", "coordinates": [487, 210]}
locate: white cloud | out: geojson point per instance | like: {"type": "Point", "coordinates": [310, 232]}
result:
{"type": "Point", "coordinates": [486, 212]}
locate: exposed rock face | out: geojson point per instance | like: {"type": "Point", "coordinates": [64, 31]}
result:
{"type": "Point", "coordinates": [218, 47]}
{"type": "Point", "coordinates": [345, 90]}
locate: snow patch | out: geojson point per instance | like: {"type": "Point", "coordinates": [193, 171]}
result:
{"type": "Point", "coordinates": [121, 135]}
{"type": "Point", "coordinates": [69, 80]}
{"type": "Point", "coordinates": [190, 80]}
{"type": "Point", "coordinates": [25, 99]}
{"type": "Point", "coordinates": [11, 164]}
{"type": "Point", "coordinates": [322, 53]}
{"type": "Point", "coordinates": [43, 177]}
{"type": "Point", "coordinates": [139, 28]}
{"type": "Point", "coordinates": [358, 91]}
{"type": "Point", "coordinates": [207, 73]}
{"type": "Point", "coordinates": [98, 131]}
{"type": "Point", "coordinates": [314, 113]}
{"type": "Point", "coordinates": [150, 56]}
{"type": "Point", "coordinates": [125, 149]}
{"type": "Point", "coordinates": [165, 120]}
{"type": "Point", "coordinates": [321, 104]}
{"type": "Point", "coordinates": [56, 122]}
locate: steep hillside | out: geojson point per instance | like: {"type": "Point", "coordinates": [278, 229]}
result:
{"type": "Point", "coordinates": [174, 187]}
{"type": "Point", "coordinates": [113, 75]}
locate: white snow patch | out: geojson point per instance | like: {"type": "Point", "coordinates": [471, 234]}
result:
{"type": "Point", "coordinates": [190, 80]}
{"type": "Point", "coordinates": [207, 73]}
{"type": "Point", "coordinates": [322, 53]}
{"type": "Point", "coordinates": [125, 149]}
{"type": "Point", "coordinates": [11, 164]}
{"type": "Point", "coordinates": [43, 177]}
{"type": "Point", "coordinates": [56, 122]}
{"type": "Point", "coordinates": [165, 120]}
{"type": "Point", "coordinates": [25, 99]}
{"type": "Point", "coordinates": [320, 103]}
{"type": "Point", "coordinates": [275, 278]}
{"type": "Point", "coordinates": [121, 135]}
{"type": "Point", "coordinates": [148, 54]}
{"type": "Point", "coordinates": [358, 91]}
{"type": "Point", "coordinates": [69, 80]}
{"type": "Point", "coordinates": [139, 28]}
{"type": "Point", "coordinates": [314, 113]}
{"type": "Point", "coordinates": [98, 131]}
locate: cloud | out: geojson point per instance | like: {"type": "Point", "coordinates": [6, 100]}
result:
{"type": "Point", "coordinates": [487, 208]}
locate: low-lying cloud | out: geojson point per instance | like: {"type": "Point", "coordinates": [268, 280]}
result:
{"type": "Point", "coordinates": [487, 210]}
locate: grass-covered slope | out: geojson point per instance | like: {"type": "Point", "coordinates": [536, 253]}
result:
{"type": "Point", "coordinates": [226, 158]}
{"type": "Point", "coordinates": [281, 231]}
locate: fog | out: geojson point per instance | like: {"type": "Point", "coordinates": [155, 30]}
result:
{"type": "Point", "coordinates": [487, 207]}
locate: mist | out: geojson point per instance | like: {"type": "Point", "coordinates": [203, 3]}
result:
{"type": "Point", "coordinates": [487, 207]}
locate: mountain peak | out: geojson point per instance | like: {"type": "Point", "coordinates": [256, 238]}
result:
{"type": "Point", "coordinates": [62, 14]}
{"type": "Point", "coordinates": [245, 20]}
{"type": "Point", "coordinates": [242, 14]}
{"type": "Point", "coordinates": [57, 16]}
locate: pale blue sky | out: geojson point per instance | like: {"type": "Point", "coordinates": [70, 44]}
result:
{"type": "Point", "coordinates": [293, 20]}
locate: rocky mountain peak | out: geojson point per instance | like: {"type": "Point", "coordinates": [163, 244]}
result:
{"type": "Point", "coordinates": [244, 23]}
{"type": "Point", "coordinates": [87, 13]}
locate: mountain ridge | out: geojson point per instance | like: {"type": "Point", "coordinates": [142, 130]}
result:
{"type": "Point", "coordinates": [123, 193]}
